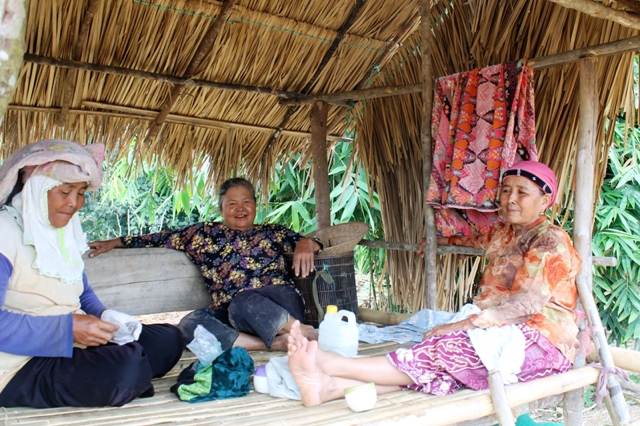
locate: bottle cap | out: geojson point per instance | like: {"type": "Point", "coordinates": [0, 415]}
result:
{"type": "Point", "coordinates": [332, 309]}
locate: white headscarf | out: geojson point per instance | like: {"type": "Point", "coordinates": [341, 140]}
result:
{"type": "Point", "coordinates": [58, 250]}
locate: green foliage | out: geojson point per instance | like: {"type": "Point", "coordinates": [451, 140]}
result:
{"type": "Point", "coordinates": [145, 203]}
{"type": "Point", "coordinates": [617, 233]}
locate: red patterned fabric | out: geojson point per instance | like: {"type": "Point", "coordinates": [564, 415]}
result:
{"type": "Point", "coordinates": [483, 122]}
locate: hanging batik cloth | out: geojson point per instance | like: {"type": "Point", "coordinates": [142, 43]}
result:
{"type": "Point", "coordinates": [483, 121]}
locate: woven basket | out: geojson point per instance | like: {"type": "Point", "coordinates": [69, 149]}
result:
{"type": "Point", "coordinates": [342, 238]}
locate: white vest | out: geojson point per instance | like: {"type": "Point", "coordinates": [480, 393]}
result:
{"type": "Point", "coordinates": [29, 292]}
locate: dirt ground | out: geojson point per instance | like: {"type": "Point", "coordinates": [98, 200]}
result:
{"type": "Point", "coordinates": [592, 415]}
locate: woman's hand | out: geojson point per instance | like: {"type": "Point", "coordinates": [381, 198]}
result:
{"type": "Point", "coordinates": [463, 325]}
{"type": "Point", "coordinates": [91, 331]}
{"type": "Point", "coordinates": [99, 247]}
{"type": "Point", "coordinates": [303, 257]}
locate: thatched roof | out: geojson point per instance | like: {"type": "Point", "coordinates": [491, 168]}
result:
{"type": "Point", "coordinates": [279, 46]}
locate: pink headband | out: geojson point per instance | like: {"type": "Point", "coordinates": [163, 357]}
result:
{"type": "Point", "coordinates": [538, 173]}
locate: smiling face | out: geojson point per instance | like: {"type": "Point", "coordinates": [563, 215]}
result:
{"type": "Point", "coordinates": [64, 201]}
{"type": "Point", "coordinates": [522, 201]}
{"type": "Point", "coordinates": [239, 208]}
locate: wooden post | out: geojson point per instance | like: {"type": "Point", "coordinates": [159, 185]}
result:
{"type": "Point", "coordinates": [425, 138]}
{"type": "Point", "coordinates": [582, 230]}
{"type": "Point", "coordinates": [499, 399]}
{"type": "Point", "coordinates": [319, 113]}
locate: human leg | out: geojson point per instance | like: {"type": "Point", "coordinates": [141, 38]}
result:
{"type": "Point", "coordinates": [163, 347]}
{"type": "Point", "coordinates": [109, 375]}
{"type": "Point", "coordinates": [225, 334]}
{"type": "Point", "coordinates": [268, 313]}
{"type": "Point", "coordinates": [315, 371]}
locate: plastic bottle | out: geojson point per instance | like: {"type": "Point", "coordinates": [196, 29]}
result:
{"type": "Point", "coordinates": [337, 335]}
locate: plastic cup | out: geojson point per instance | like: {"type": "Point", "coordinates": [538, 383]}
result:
{"type": "Point", "coordinates": [362, 397]}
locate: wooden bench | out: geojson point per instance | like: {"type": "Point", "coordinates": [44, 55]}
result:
{"type": "Point", "coordinates": [146, 281]}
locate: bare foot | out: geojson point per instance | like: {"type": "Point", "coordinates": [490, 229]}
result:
{"type": "Point", "coordinates": [280, 343]}
{"type": "Point", "coordinates": [314, 384]}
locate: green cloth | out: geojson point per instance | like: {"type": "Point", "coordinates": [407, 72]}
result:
{"type": "Point", "coordinates": [526, 420]}
{"type": "Point", "coordinates": [227, 377]}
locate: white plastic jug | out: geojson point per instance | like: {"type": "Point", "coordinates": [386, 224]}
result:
{"type": "Point", "coordinates": [336, 335]}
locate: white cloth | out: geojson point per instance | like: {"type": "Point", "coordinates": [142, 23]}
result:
{"type": "Point", "coordinates": [130, 328]}
{"type": "Point", "coordinates": [500, 348]}
{"type": "Point", "coordinates": [58, 250]}
{"type": "Point", "coordinates": [280, 380]}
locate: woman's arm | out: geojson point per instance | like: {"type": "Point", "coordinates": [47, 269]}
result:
{"type": "Point", "coordinates": [32, 335]}
{"type": "Point", "coordinates": [89, 301]}
{"type": "Point", "coordinates": [175, 240]}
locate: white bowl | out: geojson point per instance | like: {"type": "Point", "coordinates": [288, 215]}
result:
{"type": "Point", "coordinates": [362, 397]}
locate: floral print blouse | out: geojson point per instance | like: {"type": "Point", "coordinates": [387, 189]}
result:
{"type": "Point", "coordinates": [530, 278]}
{"type": "Point", "coordinates": [230, 261]}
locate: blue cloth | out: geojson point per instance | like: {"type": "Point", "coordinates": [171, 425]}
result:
{"type": "Point", "coordinates": [46, 336]}
{"type": "Point", "coordinates": [413, 328]}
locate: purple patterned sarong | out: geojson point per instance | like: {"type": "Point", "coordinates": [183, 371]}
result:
{"type": "Point", "coordinates": [443, 364]}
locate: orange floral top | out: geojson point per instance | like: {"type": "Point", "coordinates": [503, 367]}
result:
{"type": "Point", "coordinates": [530, 278]}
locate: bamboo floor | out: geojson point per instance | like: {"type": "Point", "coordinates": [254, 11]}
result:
{"type": "Point", "coordinates": [405, 407]}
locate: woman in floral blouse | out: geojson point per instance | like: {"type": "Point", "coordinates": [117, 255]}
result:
{"type": "Point", "coordinates": [529, 282]}
{"type": "Point", "coordinates": [253, 301]}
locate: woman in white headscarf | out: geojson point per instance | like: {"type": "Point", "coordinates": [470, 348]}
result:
{"type": "Point", "coordinates": [59, 345]}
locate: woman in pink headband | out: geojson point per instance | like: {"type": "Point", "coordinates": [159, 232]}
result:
{"type": "Point", "coordinates": [524, 309]}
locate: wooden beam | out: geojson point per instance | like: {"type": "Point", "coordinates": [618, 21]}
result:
{"type": "Point", "coordinates": [323, 63]}
{"type": "Point", "coordinates": [320, 165]}
{"type": "Point", "coordinates": [204, 48]}
{"type": "Point", "coordinates": [583, 223]}
{"type": "Point", "coordinates": [143, 114]}
{"type": "Point", "coordinates": [558, 59]}
{"type": "Point", "coordinates": [356, 95]}
{"type": "Point", "coordinates": [430, 258]}
{"type": "Point", "coordinates": [600, 50]}
{"type": "Point", "coordinates": [468, 251]}
{"type": "Point", "coordinates": [69, 84]}
{"type": "Point", "coordinates": [598, 10]}
{"type": "Point", "coordinates": [127, 72]}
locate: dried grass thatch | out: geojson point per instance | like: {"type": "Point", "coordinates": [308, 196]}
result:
{"type": "Point", "coordinates": [280, 45]}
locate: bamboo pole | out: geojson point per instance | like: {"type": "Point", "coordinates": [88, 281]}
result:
{"type": "Point", "coordinates": [598, 10]}
{"type": "Point", "coordinates": [204, 48]}
{"type": "Point", "coordinates": [320, 165]}
{"type": "Point", "coordinates": [468, 251]}
{"type": "Point", "coordinates": [166, 78]}
{"type": "Point", "coordinates": [426, 39]}
{"type": "Point", "coordinates": [499, 399]}
{"type": "Point", "coordinates": [623, 358]}
{"type": "Point", "coordinates": [381, 317]}
{"type": "Point", "coordinates": [145, 114]}
{"type": "Point", "coordinates": [69, 84]}
{"type": "Point", "coordinates": [583, 222]}
{"type": "Point", "coordinates": [605, 49]}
